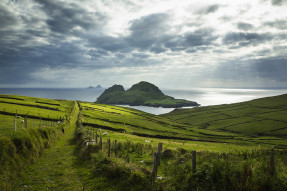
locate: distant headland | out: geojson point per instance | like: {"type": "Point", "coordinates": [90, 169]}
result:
{"type": "Point", "coordinates": [142, 93]}
{"type": "Point", "coordinates": [92, 87]}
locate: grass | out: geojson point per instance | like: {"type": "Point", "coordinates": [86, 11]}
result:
{"type": "Point", "coordinates": [34, 108]}
{"type": "Point", "coordinates": [233, 144]}
{"type": "Point", "coordinates": [57, 169]}
{"type": "Point", "coordinates": [25, 145]}
{"type": "Point", "coordinates": [261, 117]}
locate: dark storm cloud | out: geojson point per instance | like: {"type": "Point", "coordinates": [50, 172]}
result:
{"type": "Point", "coordinates": [278, 2]}
{"type": "Point", "coordinates": [108, 43]}
{"type": "Point", "coordinates": [244, 26]}
{"type": "Point", "coordinates": [199, 37]}
{"type": "Point", "coordinates": [8, 19]}
{"type": "Point", "coordinates": [15, 68]}
{"type": "Point", "coordinates": [157, 50]}
{"type": "Point", "coordinates": [66, 16]}
{"type": "Point", "coordinates": [279, 24]}
{"type": "Point", "coordinates": [140, 55]}
{"type": "Point", "coordinates": [245, 38]}
{"type": "Point", "coordinates": [271, 68]}
{"type": "Point", "coordinates": [207, 10]}
{"type": "Point", "coordinates": [148, 30]}
{"type": "Point", "coordinates": [60, 36]}
{"type": "Point", "coordinates": [150, 33]}
{"type": "Point", "coordinates": [18, 66]}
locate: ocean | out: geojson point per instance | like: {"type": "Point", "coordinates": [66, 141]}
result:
{"type": "Point", "coordinates": [203, 96]}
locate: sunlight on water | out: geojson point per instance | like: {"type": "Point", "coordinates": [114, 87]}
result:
{"type": "Point", "coordinates": [216, 96]}
{"type": "Point", "coordinates": [203, 96]}
{"type": "Point", "coordinates": [153, 110]}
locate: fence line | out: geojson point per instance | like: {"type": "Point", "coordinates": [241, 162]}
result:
{"type": "Point", "coordinates": [29, 121]}
{"type": "Point", "coordinates": [157, 155]}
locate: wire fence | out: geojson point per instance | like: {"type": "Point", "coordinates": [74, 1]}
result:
{"type": "Point", "coordinates": [14, 122]}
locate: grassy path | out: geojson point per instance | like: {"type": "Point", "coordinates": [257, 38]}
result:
{"type": "Point", "coordinates": [57, 168]}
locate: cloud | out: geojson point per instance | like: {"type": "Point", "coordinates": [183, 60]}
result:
{"type": "Point", "coordinates": [48, 40]}
{"type": "Point", "coordinates": [245, 38]}
{"type": "Point", "coordinates": [8, 19]}
{"type": "Point", "coordinates": [208, 9]}
{"type": "Point", "coordinates": [273, 68]}
{"type": "Point", "coordinates": [199, 37]}
{"type": "Point", "coordinates": [244, 26]}
{"type": "Point", "coordinates": [278, 2]}
{"type": "Point", "coordinates": [67, 17]}
{"type": "Point", "coordinates": [252, 72]}
{"type": "Point", "coordinates": [148, 30]}
{"type": "Point", "coordinates": [279, 24]}
{"type": "Point", "coordinates": [107, 43]}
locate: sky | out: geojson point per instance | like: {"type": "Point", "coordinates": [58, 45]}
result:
{"type": "Point", "coordinates": [176, 44]}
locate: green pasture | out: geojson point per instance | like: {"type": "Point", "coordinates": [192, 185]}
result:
{"type": "Point", "coordinates": [34, 108]}
{"type": "Point", "coordinates": [265, 117]}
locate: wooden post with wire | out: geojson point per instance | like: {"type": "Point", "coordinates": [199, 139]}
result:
{"type": "Point", "coordinates": [101, 143]}
{"type": "Point", "coordinates": [193, 161]}
{"type": "Point", "coordinates": [15, 122]}
{"type": "Point", "coordinates": [25, 122]}
{"type": "Point", "coordinates": [116, 150]}
{"type": "Point", "coordinates": [272, 162]}
{"type": "Point", "coordinates": [109, 144]}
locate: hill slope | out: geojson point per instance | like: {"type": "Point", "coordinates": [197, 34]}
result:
{"type": "Point", "coordinates": [260, 117]}
{"type": "Point", "coordinates": [137, 133]}
{"type": "Point", "coordinates": [142, 93]}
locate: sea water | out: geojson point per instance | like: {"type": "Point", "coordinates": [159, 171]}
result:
{"type": "Point", "coordinates": [203, 96]}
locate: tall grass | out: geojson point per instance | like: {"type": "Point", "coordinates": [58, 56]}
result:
{"type": "Point", "coordinates": [24, 147]}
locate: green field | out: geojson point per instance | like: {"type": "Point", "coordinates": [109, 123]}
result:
{"type": "Point", "coordinates": [231, 141]}
{"type": "Point", "coordinates": [252, 121]}
{"type": "Point", "coordinates": [36, 109]}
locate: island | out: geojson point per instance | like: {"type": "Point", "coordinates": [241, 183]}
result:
{"type": "Point", "coordinates": [91, 87]}
{"type": "Point", "coordinates": [141, 94]}
{"type": "Point", "coordinates": [97, 87]}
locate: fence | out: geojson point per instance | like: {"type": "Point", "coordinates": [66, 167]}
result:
{"type": "Point", "coordinates": [93, 137]}
{"type": "Point", "coordinates": [13, 121]}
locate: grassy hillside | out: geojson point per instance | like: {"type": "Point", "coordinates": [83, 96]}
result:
{"type": "Point", "coordinates": [25, 145]}
{"type": "Point", "coordinates": [261, 119]}
{"type": "Point", "coordinates": [143, 93]}
{"type": "Point", "coordinates": [227, 160]}
{"type": "Point", "coordinates": [233, 144]}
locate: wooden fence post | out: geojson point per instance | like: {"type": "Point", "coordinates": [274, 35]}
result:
{"type": "Point", "coordinates": [154, 168]}
{"type": "Point", "coordinates": [272, 162]}
{"type": "Point", "coordinates": [128, 158]}
{"type": "Point", "coordinates": [101, 143]}
{"type": "Point", "coordinates": [96, 136]}
{"type": "Point", "coordinates": [25, 121]}
{"type": "Point", "coordinates": [15, 122]}
{"type": "Point", "coordinates": [109, 151]}
{"type": "Point", "coordinates": [193, 161]}
{"type": "Point", "coordinates": [93, 134]}
{"type": "Point", "coordinates": [159, 149]}
{"type": "Point", "coordinates": [116, 151]}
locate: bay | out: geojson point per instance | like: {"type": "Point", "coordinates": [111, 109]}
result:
{"type": "Point", "coordinates": [203, 96]}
